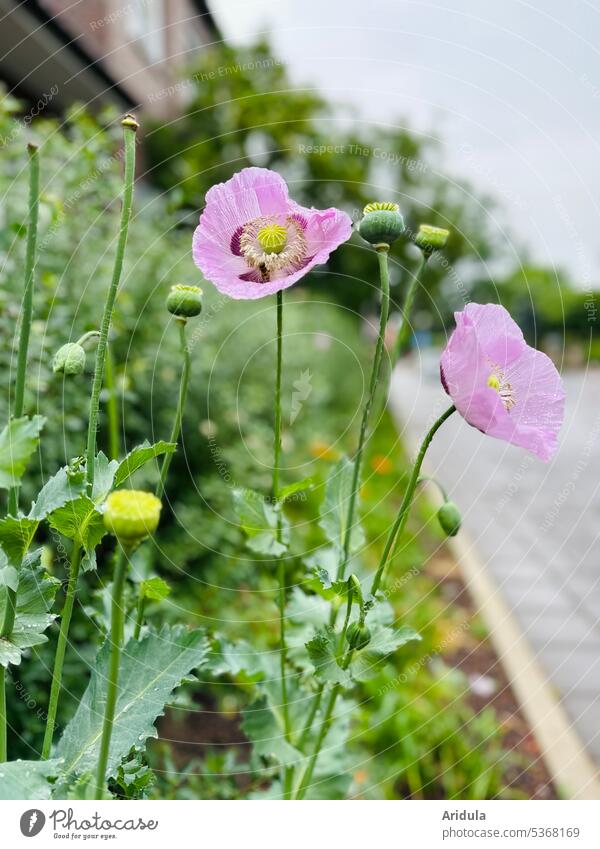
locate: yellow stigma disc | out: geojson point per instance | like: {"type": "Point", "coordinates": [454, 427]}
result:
{"type": "Point", "coordinates": [272, 238]}
{"type": "Point", "coordinates": [493, 381]}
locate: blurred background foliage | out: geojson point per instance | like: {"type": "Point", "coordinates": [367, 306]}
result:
{"type": "Point", "coordinates": [228, 423]}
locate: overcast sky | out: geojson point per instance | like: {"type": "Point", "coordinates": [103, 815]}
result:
{"type": "Point", "coordinates": [511, 88]}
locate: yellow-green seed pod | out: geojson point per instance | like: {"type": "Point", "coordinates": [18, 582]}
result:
{"type": "Point", "coordinates": [381, 223]}
{"type": "Point", "coordinates": [185, 301]}
{"type": "Point", "coordinates": [358, 636]}
{"type": "Point", "coordinates": [69, 359]}
{"type": "Point", "coordinates": [431, 238]}
{"type": "Point", "coordinates": [449, 518]}
{"type": "Point", "coordinates": [131, 515]}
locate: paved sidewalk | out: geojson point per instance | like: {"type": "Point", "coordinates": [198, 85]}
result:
{"type": "Point", "coordinates": [536, 526]}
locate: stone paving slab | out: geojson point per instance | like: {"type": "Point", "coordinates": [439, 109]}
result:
{"type": "Point", "coordinates": [536, 526]}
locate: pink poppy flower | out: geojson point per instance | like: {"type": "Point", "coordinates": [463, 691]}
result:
{"type": "Point", "coordinates": [499, 384]}
{"type": "Point", "coordinates": [252, 240]}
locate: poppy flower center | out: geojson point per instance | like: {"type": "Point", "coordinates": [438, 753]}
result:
{"type": "Point", "coordinates": [497, 381]}
{"type": "Point", "coordinates": [272, 238]}
{"type": "Point", "coordinates": [274, 245]}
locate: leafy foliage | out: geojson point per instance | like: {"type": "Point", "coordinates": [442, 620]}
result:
{"type": "Point", "coordinates": [18, 440]}
{"type": "Point", "coordinates": [27, 779]}
{"type": "Point", "coordinates": [35, 596]}
{"type": "Point", "coordinates": [138, 457]}
{"type": "Point", "coordinates": [334, 510]}
{"type": "Point", "coordinates": [258, 519]}
{"type": "Point", "coordinates": [151, 669]}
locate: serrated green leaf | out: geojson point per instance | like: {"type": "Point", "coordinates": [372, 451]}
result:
{"type": "Point", "coordinates": [151, 668]}
{"type": "Point", "coordinates": [265, 731]}
{"type": "Point", "coordinates": [27, 779]}
{"type": "Point", "coordinates": [18, 440]}
{"type": "Point", "coordinates": [35, 596]}
{"type": "Point", "coordinates": [63, 487]}
{"type": "Point", "coordinates": [385, 640]}
{"type": "Point", "coordinates": [334, 510]}
{"type": "Point", "coordinates": [235, 658]}
{"type": "Point", "coordinates": [258, 520]}
{"type": "Point", "coordinates": [16, 535]}
{"type": "Point", "coordinates": [81, 521]}
{"type": "Point", "coordinates": [139, 456]}
{"type": "Point", "coordinates": [322, 650]}
{"type": "Point", "coordinates": [304, 485]}
{"type": "Point", "coordinates": [155, 589]}
{"type": "Point", "coordinates": [104, 475]}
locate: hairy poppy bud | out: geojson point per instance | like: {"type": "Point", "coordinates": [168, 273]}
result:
{"type": "Point", "coordinates": [358, 636]}
{"type": "Point", "coordinates": [449, 518]}
{"type": "Point", "coordinates": [69, 359]}
{"type": "Point", "coordinates": [381, 223]}
{"type": "Point", "coordinates": [131, 515]}
{"type": "Point", "coordinates": [184, 301]}
{"type": "Point", "coordinates": [431, 238]}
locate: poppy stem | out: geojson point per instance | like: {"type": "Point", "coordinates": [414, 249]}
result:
{"type": "Point", "coordinates": [281, 571]}
{"type": "Point", "coordinates": [400, 520]}
{"type": "Point", "coordinates": [116, 638]}
{"type": "Point", "coordinates": [25, 332]}
{"type": "Point", "coordinates": [61, 647]}
{"type": "Point", "coordinates": [382, 256]}
{"type": "Point", "coordinates": [405, 325]}
{"type": "Point", "coordinates": [130, 127]}
{"type": "Point", "coordinates": [183, 390]}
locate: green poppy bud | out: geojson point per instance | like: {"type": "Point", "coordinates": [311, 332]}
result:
{"type": "Point", "coordinates": [431, 238]}
{"type": "Point", "coordinates": [449, 518]}
{"type": "Point", "coordinates": [70, 359]}
{"type": "Point", "coordinates": [358, 636]}
{"type": "Point", "coordinates": [131, 515]}
{"type": "Point", "coordinates": [381, 223]}
{"type": "Point", "coordinates": [184, 301]}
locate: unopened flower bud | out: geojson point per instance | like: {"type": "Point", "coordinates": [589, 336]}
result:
{"type": "Point", "coordinates": [184, 301]}
{"type": "Point", "coordinates": [431, 238]}
{"type": "Point", "coordinates": [69, 359]}
{"type": "Point", "coordinates": [381, 223]}
{"type": "Point", "coordinates": [449, 518]}
{"type": "Point", "coordinates": [131, 515]}
{"type": "Point", "coordinates": [358, 636]}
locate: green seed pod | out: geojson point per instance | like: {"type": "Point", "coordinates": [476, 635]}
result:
{"type": "Point", "coordinates": [69, 359]}
{"type": "Point", "coordinates": [449, 518]}
{"type": "Point", "coordinates": [431, 238]}
{"type": "Point", "coordinates": [184, 301]}
{"type": "Point", "coordinates": [358, 636]}
{"type": "Point", "coordinates": [131, 515]}
{"type": "Point", "coordinates": [381, 223]}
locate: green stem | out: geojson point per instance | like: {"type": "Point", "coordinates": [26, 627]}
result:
{"type": "Point", "coordinates": [405, 326]}
{"type": "Point", "coordinates": [382, 256]}
{"type": "Point", "coordinates": [316, 703]}
{"type": "Point", "coordinates": [3, 718]}
{"type": "Point", "coordinates": [129, 129]}
{"type": "Point", "coordinates": [139, 616]}
{"type": "Point", "coordinates": [281, 577]}
{"type": "Point", "coordinates": [435, 481]}
{"type": "Point", "coordinates": [61, 647]}
{"type": "Point", "coordinates": [116, 635]}
{"type": "Point", "coordinates": [325, 724]}
{"type": "Point", "coordinates": [277, 439]}
{"type": "Point", "coordinates": [114, 447]}
{"type": "Point", "coordinates": [400, 520]}
{"type": "Point", "coordinates": [27, 307]}
{"type": "Point", "coordinates": [183, 390]}
{"type": "Point", "coordinates": [25, 332]}
{"type": "Point", "coordinates": [91, 334]}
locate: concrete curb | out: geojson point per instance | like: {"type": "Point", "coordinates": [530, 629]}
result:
{"type": "Point", "coordinates": [572, 769]}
